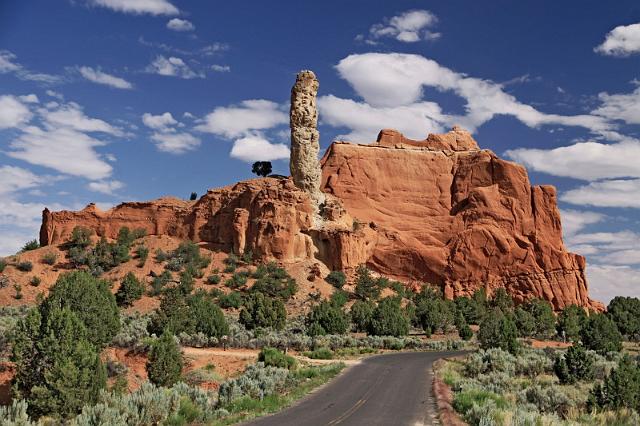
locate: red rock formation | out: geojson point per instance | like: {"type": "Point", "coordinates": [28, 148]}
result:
{"type": "Point", "coordinates": [441, 211]}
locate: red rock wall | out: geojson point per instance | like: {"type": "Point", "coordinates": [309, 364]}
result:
{"type": "Point", "coordinates": [461, 219]}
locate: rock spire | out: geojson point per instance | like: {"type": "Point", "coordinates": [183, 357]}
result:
{"type": "Point", "coordinates": [305, 139]}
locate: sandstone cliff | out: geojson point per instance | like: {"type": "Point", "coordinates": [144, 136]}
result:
{"type": "Point", "coordinates": [440, 210]}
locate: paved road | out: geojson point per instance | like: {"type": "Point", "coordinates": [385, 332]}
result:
{"type": "Point", "coordinates": [394, 389]}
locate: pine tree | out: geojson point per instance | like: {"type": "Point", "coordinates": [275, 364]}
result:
{"type": "Point", "coordinates": [131, 289]}
{"type": "Point", "coordinates": [164, 366]}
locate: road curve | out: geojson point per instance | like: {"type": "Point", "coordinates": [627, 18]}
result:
{"type": "Point", "coordinates": [391, 389]}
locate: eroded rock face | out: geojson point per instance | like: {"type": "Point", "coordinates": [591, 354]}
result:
{"type": "Point", "coordinates": [451, 214]}
{"type": "Point", "coordinates": [305, 139]}
{"type": "Point", "coordinates": [441, 211]}
{"type": "Point", "coordinates": [270, 217]}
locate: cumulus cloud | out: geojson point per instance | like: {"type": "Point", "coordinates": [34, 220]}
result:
{"type": "Point", "coordinates": [257, 148]}
{"type": "Point", "coordinates": [177, 24]}
{"type": "Point", "coordinates": [73, 117]}
{"type": "Point", "coordinates": [365, 121]}
{"type": "Point", "coordinates": [159, 122]}
{"type": "Point", "coordinates": [16, 179]}
{"type": "Point", "coordinates": [239, 120]}
{"type": "Point", "coordinates": [608, 281]}
{"type": "Point", "coordinates": [172, 67]}
{"type": "Point", "coordinates": [399, 80]}
{"type": "Point", "coordinates": [576, 220]}
{"type": "Point", "coordinates": [137, 7]}
{"type": "Point", "coordinates": [29, 99]}
{"type": "Point", "coordinates": [175, 143]}
{"type": "Point", "coordinates": [99, 77]}
{"type": "Point", "coordinates": [105, 186]}
{"type": "Point", "coordinates": [63, 149]}
{"type": "Point", "coordinates": [623, 40]}
{"type": "Point", "coordinates": [583, 160]}
{"type": "Point", "coordinates": [621, 106]}
{"type": "Point", "coordinates": [13, 112]}
{"type": "Point", "coordinates": [608, 193]}
{"type": "Point", "coordinates": [408, 27]}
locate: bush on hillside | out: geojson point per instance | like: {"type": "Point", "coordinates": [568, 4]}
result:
{"type": "Point", "coordinates": [49, 258]}
{"type": "Point", "coordinates": [131, 289]}
{"type": "Point", "coordinates": [498, 331]}
{"type": "Point", "coordinates": [389, 319]}
{"type": "Point", "coordinates": [433, 314]}
{"type": "Point", "coordinates": [326, 318]}
{"type": "Point", "coordinates": [260, 311]}
{"type": "Point", "coordinates": [336, 279]}
{"type": "Point", "coordinates": [574, 366]}
{"type": "Point", "coordinates": [601, 334]}
{"type": "Point", "coordinates": [272, 357]}
{"type": "Point", "coordinates": [625, 312]}
{"type": "Point", "coordinates": [525, 322]}
{"type": "Point", "coordinates": [367, 287]}
{"type": "Point", "coordinates": [30, 245]}
{"type": "Point", "coordinates": [621, 389]}
{"type": "Point", "coordinates": [275, 282]}
{"type": "Point", "coordinates": [544, 319]}
{"type": "Point", "coordinates": [24, 266]}
{"type": "Point", "coordinates": [361, 314]}
{"type": "Point", "coordinates": [164, 365]}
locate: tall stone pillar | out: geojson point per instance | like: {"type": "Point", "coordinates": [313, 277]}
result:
{"type": "Point", "coordinates": [305, 139]}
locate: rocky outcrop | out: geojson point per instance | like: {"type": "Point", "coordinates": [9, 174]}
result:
{"type": "Point", "coordinates": [305, 139]}
{"type": "Point", "coordinates": [441, 211]}
{"type": "Point", "coordinates": [451, 214]}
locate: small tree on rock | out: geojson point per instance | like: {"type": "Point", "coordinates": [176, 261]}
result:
{"type": "Point", "coordinates": [262, 168]}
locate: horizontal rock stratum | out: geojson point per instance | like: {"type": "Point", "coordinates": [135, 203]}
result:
{"type": "Point", "coordinates": [441, 211]}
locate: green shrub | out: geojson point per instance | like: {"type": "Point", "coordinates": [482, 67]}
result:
{"type": "Point", "coordinates": [58, 370]}
{"type": "Point", "coordinates": [339, 298]}
{"type": "Point", "coordinates": [276, 283]}
{"type": "Point", "coordinates": [320, 353]}
{"type": "Point", "coordinates": [465, 332]}
{"type": "Point", "coordinates": [142, 254]}
{"type": "Point", "coordinates": [621, 389]}
{"type": "Point", "coordinates": [502, 300]}
{"type": "Point", "coordinates": [104, 256]}
{"type": "Point", "coordinates": [80, 237]}
{"type": "Point", "coordinates": [131, 289]}
{"type": "Point", "coordinates": [263, 311]}
{"type": "Point", "coordinates": [159, 282]}
{"type": "Point", "coordinates": [389, 319]}
{"type": "Point", "coordinates": [326, 318]}
{"type": "Point", "coordinates": [231, 300]}
{"type": "Point", "coordinates": [187, 256]}
{"type": "Point", "coordinates": [601, 334]}
{"type": "Point", "coordinates": [545, 321]}
{"type": "Point", "coordinates": [571, 321]}
{"type": "Point", "coordinates": [18, 289]}
{"type": "Point", "coordinates": [433, 313]}
{"type": "Point", "coordinates": [49, 258]}
{"type": "Point", "coordinates": [186, 283]}
{"type": "Point", "coordinates": [236, 281]}
{"type": "Point", "coordinates": [207, 316]}
{"type": "Point", "coordinates": [625, 313]}
{"type": "Point", "coordinates": [498, 331]}
{"type": "Point", "coordinates": [161, 256]}
{"type": "Point", "coordinates": [467, 308]}
{"type": "Point", "coordinates": [173, 314]}
{"type": "Point", "coordinates": [464, 401]}
{"type": "Point", "coordinates": [35, 281]}
{"type": "Point", "coordinates": [336, 279]}
{"type": "Point", "coordinates": [91, 300]}
{"type": "Point", "coordinates": [3, 265]}
{"type": "Point", "coordinates": [24, 266]}
{"type": "Point", "coordinates": [164, 366]}
{"type": "Point", "coordinates": [367, 287]}
{"type": "Point", "coordinates": [361, 315]}
{"type": "Point", "coordinates": [272, 357]}
{"type": "Point", "coordinates": [213, 279]}
{"type": "Point", "coordinates": [525, 322]}
{"type": "Point", "coordinates": [576, 365]}
{"type": "Point", "coordinates": [30, 245]}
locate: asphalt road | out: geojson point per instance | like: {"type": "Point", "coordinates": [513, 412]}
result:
{"type": "Point", "coordinates": [393, 389]}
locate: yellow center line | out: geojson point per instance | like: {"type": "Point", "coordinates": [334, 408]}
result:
{"type": "Point", "coordinates": [360, 402]}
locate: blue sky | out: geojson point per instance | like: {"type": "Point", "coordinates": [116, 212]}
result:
{"type": "Point", "coordinates": [115, 100]}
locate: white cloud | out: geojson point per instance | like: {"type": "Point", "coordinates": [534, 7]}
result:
{"type": "Point", "coordinates": [621, 41]}
{"type": "Point", "coordinates": [71, 116]}
{"type": "Point", "coordinates": [257, 148]}
{"type": "Point", "coordinates": [152, 7]}
{"type": "Point", "coordinates": [7, 65]}
{"type": "Point", "coordinates": [105, 186]}
{"type": "Point", "coordinates": [399, 80]}
{"type": "Point", "coordinates": [63, 149]}
{"type": "Point", "coordinates": [576, 220]}
{"type": "Point", "coordinates": [172, 67]}
{"type": "Point", "coordinates": [408, 27]}
{"type": "Point", "coordinates": [621, 106]}
{"type": "Point", "coordinates": [583, 160]}
{"type": "Point", "coordinates": [6, 62]}
{"type": "Point", "coordinates": [161, 122]}
{"type": "Point", "coordinates": [365, 121]}
{"type": "Point", "coordinates": [609, 193]}
{"type": "Point", "coordinates": [13, 113]}
{"type": "Point", "coordinates": [175, 143]}
{"type": "Point", "coordinates": [221, 68]}
{"type": "Point", "coordinates": [234, 121]}
{"type": "Point", "coordinates": [55, 94]}
{"type": "Point", "coordinates": [30, 99]}
{"type": "Point", "coordinates": [99, 77]}
{"type": "Point", "coordinates": [16, 179]}
{"type": "Point", "coordinates": [608, 281]}
{"type": "Point", "coordinates": [177, 24]}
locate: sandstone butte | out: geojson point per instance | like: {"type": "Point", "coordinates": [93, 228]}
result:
{"type": "Point", "coordinates": [440, 211]}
